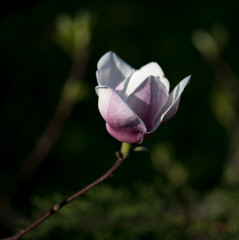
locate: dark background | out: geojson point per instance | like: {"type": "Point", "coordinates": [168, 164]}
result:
{"type": "Point", "coordinates": [184, 187]}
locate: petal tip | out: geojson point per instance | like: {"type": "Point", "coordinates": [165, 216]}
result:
{"type": "Point", "coordinates": [103, 59]}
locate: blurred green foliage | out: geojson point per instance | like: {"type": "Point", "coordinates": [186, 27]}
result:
{"type": "Point", "coordinates": [186, 186]}
{"type": "Point", "coordinates": [73, 34]}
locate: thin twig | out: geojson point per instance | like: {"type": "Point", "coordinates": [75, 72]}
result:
{"type": "Point", "coordinates": [58, 206]}
{"type": "Point", "coordinates": [227, 79]}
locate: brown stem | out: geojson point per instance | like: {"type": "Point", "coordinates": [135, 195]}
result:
{"type": "Point", "coordinates": [58, 206]}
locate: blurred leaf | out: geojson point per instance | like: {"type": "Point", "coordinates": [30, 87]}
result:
{"type": "Point", "coordinates": [222, 106]}
{"type": "Point", "coordinates": [73, 34]}
{"type": "Point", "coordinates": [161, 155]}
{"type": "Point", "coordinates": [178, 175]}
{"type": "Point", "coordinates": [205, 44]}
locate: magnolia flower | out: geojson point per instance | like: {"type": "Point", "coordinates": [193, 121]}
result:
{"type": "Point", "coordinates": [134, 102]}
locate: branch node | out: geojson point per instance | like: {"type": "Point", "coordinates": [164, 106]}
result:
{"type": "Point", "coordinates": [56, 207]}
{"type": "Point", "coordinates": [119, 155]}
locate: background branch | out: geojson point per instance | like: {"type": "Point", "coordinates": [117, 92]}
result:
{"type": "Point", "coordinates": [54, 128]}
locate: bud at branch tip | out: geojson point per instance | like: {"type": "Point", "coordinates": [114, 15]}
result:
{"type": "Point", "coordinates": [125, 149]}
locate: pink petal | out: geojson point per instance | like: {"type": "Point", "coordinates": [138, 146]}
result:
{"type": "Point", "coordinates": [112, 70]}
{"type": "Point", "coordinates": [148, 99]}
{"type": "Point", "coordinates": [122, 122]}
{"type": "Point", "coordinates": [126, 134]}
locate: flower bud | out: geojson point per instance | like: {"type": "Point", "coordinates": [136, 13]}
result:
{"type": "Point", "coordinates": [134, 102]}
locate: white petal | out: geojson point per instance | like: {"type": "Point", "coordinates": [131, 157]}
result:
{"type": "Point", "coordinates": [112, 70]}
{"type": "Point", "coordinates": [150, 69]}
{"type": "Point", "coordinates": [172, 104]}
